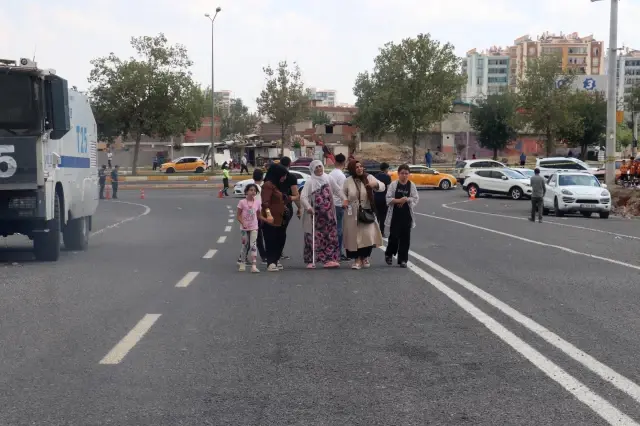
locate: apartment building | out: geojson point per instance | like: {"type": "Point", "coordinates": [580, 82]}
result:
{"type": "Point", "coordinates": [223, 98]}
{"type": "Point", "coordinates": [628, 73]}
{"type": "Point", "coordinates": [583, 55]}
{"type": "Point", "coordinates": [328, 97]}
{"type": "Point", "coordinates": [487, 73]}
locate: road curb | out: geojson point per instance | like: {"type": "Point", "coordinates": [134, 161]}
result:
{"type": "Point", "coordinates": [203, 178]}
{"type": "Point", "coordinates": [169, 186]}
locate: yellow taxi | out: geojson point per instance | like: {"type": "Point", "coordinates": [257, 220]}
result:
{"type": "Point", "coordinates": [424, 177]}
{"type": "Point", "coordinates": [184, 164]}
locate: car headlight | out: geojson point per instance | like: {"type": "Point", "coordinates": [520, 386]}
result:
{"type": "Point", "coordinates": [604, 193]}
{"type": "Point", "coordinates": [567, 192]}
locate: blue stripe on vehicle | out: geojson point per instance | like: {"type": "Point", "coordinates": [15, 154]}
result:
{"type": "Point", "coordinates": [71, 162]}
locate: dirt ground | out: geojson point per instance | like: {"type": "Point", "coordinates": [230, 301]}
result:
{"type": "Point", "coordinates": [393, 154]}
{"type": "Point", "coordinates": [626, 202]}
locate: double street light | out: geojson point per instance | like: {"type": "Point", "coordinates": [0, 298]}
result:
{"type": "Point", "coordinates": [213, 99]}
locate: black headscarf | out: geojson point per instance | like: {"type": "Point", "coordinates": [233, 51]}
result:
{"type": "Point", "coordinates": [277, 175]}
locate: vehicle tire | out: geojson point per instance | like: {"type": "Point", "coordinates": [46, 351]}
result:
{"type": "Point", "coordinates": [556, 209]}
{"type": "Point", "coordinates": [76, 234]}
{"type": "Point", "coordinates": [586, 214]}
{"type": "Point", "coordinates": [199, 170]}
{"type": "Point", "coordinates": [473, 188]}
{"type": "Point", "coordinates": [604, 215]}
{"type": "Point", "coordinates": [46, 246]}
{"type": "Point", "coordinates": [445, 184]}
{"type": "Point", "coordinates": [516, 193]}
{"type": "Point", "coordinates": [545, 211]}
{"type": "Point", "coordinates": [171, 170]}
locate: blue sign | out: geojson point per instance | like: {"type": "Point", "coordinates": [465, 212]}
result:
{"type": "Point", "coordinates": [589, 84]}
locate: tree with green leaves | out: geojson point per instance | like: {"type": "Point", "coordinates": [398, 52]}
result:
{"type": "Point", "coordinates": [624, 136]}
{"type": "Point", "coordinates": [588, 123]}
{"type": "Point", "coordinates": [234, 119]}
{"type": "Point", "coordinates": [319, 117]}
{"type": "Point", "coordinates": [152, 94]}
{"type": "Point", "coordinates": [370, 117]}
{"type": "Point", "coordinates": [632, 104]}
{"type": "Point", "coordinates": [284, 100]}
{"type": "Point", "coordinates": [412, 87]}
{"type": "Point", "coordinates": [544, 93]}
{"type": "Point", "coordinates": [495, 121]}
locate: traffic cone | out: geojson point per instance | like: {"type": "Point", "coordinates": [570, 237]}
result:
{"type": "Point", "coordinates": [142, 194]}
{"type": "Point", "coordinates": [220, 194]}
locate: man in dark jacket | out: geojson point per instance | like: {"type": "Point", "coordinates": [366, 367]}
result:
{"type": "Point", "coordinates": [381, 197]}
{"type": "Point", "coordinates": [114, 181]}
{"type": "Point", "coordinates": [102, 180]}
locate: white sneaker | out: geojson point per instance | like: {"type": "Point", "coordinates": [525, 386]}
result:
{"type": "Point", "coordinates": [280, 267]}
{"type": "Point", "coordinates": [242, 267]}
{"type": "Point", "coordinates": [254, 269]}
{"type": "Point", "coordinates": [272, 268]}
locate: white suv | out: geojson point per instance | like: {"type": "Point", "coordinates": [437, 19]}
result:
{"type": "Point", "coordinates": [572, 192]}
{"type": "Point", "coordinates": [464, 168]}
{"type": "Point", "coordinates": [549, 166]}
{"type": "Point", "coordinates": [501, 181]}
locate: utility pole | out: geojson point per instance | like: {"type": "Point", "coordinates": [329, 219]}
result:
{"type": "Point", "coordinates": [213, 97]}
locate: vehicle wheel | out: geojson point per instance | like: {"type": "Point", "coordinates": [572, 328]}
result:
{"type": "Point", "coordinates": [46, 245]}
{"type": "Point", "coordinates": [556, 209]}
{"type": "Point", "coordinates": [445, 184]}
{"type": "Point", "coordinates": [515, 193]}
{"type": "Point", "coordinates": [586, 214]}
{"type": "Point", "coordinates": [171, 170]}
{"type": "Point", "coordinates": [545, 211]}
{"type": "Point", "coordinates": [199, 170]}
{"type": "Point", "coordinates": [473, 189]}
{"type": "Point", "coordinates": [604, 215]}
{"type": "Point", "coordinates": [76, 234]}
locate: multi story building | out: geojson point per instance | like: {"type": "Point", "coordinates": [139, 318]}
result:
{"type": "Point", "coordinates": [628, 74]}
{"type": "Point", "coordinates": [487, 73]}
{"type": "Point", "coordinates": [223, 98]}
{"type": "Point", "coordinates": [326, 96]}
{"type": "Point", "coordinates": [584, 55]}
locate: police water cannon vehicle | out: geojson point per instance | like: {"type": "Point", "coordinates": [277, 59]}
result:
{"type": "Point", "coordinates": [48, 159]}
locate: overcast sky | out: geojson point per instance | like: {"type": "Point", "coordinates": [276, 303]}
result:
{"type": "Point", "coordinates": [331, 40]}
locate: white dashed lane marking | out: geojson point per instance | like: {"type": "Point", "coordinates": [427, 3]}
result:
{"type": "Point", "coordinates": [122, 348]}
{"type": "Point", "coordinates": [222, 239]}
{"type": "Point", "coordinates": [210, 254]}
{"type": "Point", "coordinates": [187, 279]}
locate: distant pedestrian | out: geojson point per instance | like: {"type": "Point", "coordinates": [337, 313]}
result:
{"type": "Point", "coordinates": [337, 174]}
{"type": "Point", "coordinates": [402, 198]}
{"type": "Point", "coordinates": [538, 190]}
{"type": "Point", "coordinates": [243, 164]}
{"type": "Point", "coordinates": [109, 158]}
{"type": "Point", "coordinates": [570, 154]}
{"type": "Point", "coordinates": [523, 159]}
{"type": "Point", "coordinates": [319, 223]}
{"type": "Point", "coordinates": [428, 158]}
{"type": "Point", "coordinates": [380, 198]}
{"type": "Point", "coordinates": [102, 180]}
{"type": "Point", "coordinates": [247, 214]}
{"type": "Point", "coordinates": [114, 181]}
{"type": "Point", "coordinates": [473, 157]}
{"type": "Point", "coordinates": [155, 163]}
{"type": "Point", "coordinates": [225, 181]}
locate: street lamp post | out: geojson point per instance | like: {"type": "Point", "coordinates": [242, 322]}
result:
{"type": "Point", "coordinates": [612, 98]}
{"type": "Point", "coordinates": [213, 99]}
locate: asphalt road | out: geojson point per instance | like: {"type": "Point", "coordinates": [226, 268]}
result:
{"type": "Point", "coordinates": [498, 321]}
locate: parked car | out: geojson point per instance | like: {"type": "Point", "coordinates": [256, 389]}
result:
{"type": "Point", "coordinates": [302, 161]}
{"type": "Point", "coordinates": [524, 171]}
{"type": "Point", "coordinates": [550, 165]}
{"type": "Point", "coordinates": [501, 181]}
{"type": "Point", "coordinates": [573, 192]}
{"type": "Point", "coordinates": [463, 168]}
{"type": "Point", "coordinates": [238, 189]}
{"type": "Point", "coordinates": [424, 177]}
{"type": "Point", "coordinates": [184, 164]}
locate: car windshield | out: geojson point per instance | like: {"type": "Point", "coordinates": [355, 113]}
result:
{"type": "Point", "coordinates": [512, 174]}
{"type": "Point", "coordinates": [460, 164]}
{"type": "Point", "coordinates": [526, 173]}
{"type": "Point", "coordinates": [578, 180]}
{"type": "Point", "coordinates": [19, 102]}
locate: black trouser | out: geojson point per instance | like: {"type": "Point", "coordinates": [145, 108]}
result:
{"type": "Point", "coordinates": [274, 238]}
{"type": "Point", "coordinates": [399, 242]}
{"type": "Point", "coordinates": [102, 185]}
{"type": "Point", "coordinates": [114, 187]}
{"type": "Point", "coordinates": [155, 166]}
{"type": "Point", "coordinates": [244, 167]}
{"type": "Point", "coordinates": [285, 225]}
{"type": "Point", "coordinates": [225, 185]}
{"type": "Point", "coordinates": [536, 206]}
{"type": "Point", "coordinates": [381, 214]}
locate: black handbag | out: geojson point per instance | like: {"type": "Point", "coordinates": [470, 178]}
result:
{"type": "Point", "coordinates": [364, 215]}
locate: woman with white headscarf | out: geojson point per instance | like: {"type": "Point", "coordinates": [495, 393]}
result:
{"type": "Point", "coordinates": [317, 202]}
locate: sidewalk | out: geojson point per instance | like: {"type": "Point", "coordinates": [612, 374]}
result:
{"type": "Point", "coordinates": [178, 178]}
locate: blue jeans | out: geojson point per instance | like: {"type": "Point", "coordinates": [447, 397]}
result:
{"type": "Point", "coordinates": [339, 217]}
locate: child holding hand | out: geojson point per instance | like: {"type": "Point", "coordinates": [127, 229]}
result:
{"type": "Point", "coordinates": [248, 214]}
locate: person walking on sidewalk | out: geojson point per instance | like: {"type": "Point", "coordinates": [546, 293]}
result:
{"type": "Point", "coordinates": [102, 180]}
{"type": "Point", "coordinates": [538, 190]}
{"type": "Point", "coordinates": [109, 159]}
{"type": "Point", "coordinates": [338, 176]}
{"type": "Point", "coordinates": [380, 198]}
{"type": "Point", "coordinates": [248, 213]}
{"type": "Point", "coordinates": [114, 181]}
{"type": "Point", "coordinates": [402, 197]}
{"type": "Point", "coordinates": [243, 165]}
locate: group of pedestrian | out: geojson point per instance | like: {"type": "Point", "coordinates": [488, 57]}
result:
{"type": "Point", "coordinates": [338, 213]}
{"type": "Point", "coordinates": [102, 181]}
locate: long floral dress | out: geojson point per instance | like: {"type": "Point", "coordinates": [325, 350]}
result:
{"type": "Point", "coordinates": [326, 228]}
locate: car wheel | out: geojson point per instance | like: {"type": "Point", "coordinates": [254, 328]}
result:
{"type": "Point", "coordinates": [171, 170]}
{"type": "Point", "coordinates": [586, 214]}
{"type": "Point", "coordinates": [199, 170]}
{"type": "Point", "coordinates": [604, 215]}
{"type": "Point", "coordinates": [556, 208]}
{"type": "Point", "coordinates": [515, 193]}
{"type": "Point", "coordinates": [473, 190]}
{"type": "Point", "coordinates": [445, 184]}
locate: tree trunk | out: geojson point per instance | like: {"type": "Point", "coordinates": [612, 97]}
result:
{"type": "Point", "coordinates": [583, 152]}
{"type": "Point", "coordinates": [282, 131]}
{"type": "Point", "coordinates": [414, 145]}
{"type": "Point", "coordinates": [495, 154]}
{"type": "Point", "coordinates": [549, 142]}
{"type": "Point", "coordinates": [136, 151]}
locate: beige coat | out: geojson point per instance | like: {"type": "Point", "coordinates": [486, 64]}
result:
{"type": "Point", "coordinates": [358, 235]}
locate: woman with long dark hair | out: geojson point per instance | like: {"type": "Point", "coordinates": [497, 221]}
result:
{"type": "Point", "coordinates": [361, 232]}
{"type": "Point", "coordinates": [274, 205]}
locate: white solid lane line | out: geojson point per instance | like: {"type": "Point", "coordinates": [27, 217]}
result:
{"type": "Point", "coordinates": [605, 372]}
{"type": "Point", "coordinates": [222, 239]}
{"type": "Point", "coordinates": [572, 385]}
{"type": "Point", "coordinates": [146, 211]}
{"type": "Point", "coordinates": [584, 228]}
{"type": "Point", "coordinates": [540, 243]}
{"type": "Point", "coordinates": [187, 279]}
{"type": "Point", "coordinates": [227, 229]}
{"type": "Point", "coordinates": [122, 348]}
{"type": "Point", "coordinates": [210, 254]}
